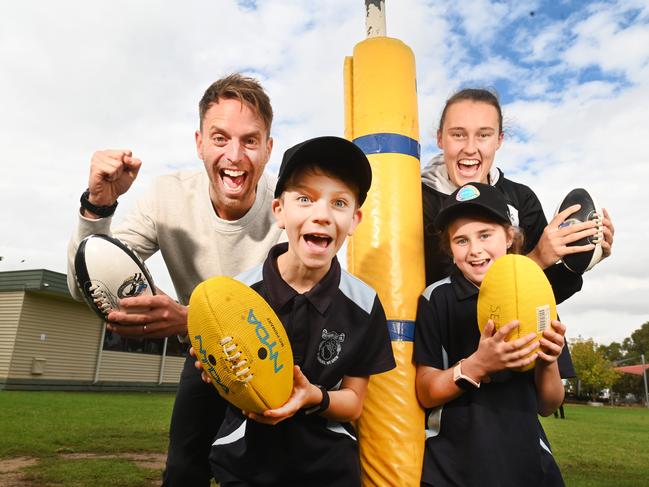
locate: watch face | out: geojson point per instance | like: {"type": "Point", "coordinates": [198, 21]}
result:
{"type": "Point", "coordinates": [461, 380]}
{"type": "Point", "coordinates": [465, 385]}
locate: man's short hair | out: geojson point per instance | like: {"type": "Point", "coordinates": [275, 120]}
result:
{"type": "Point", "coordinates": [237, 87]}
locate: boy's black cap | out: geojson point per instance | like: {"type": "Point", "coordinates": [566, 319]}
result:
{"type": "Point", "coordinates": [473, 195]}
{"type": "Point", "coordinates": [338, 155]}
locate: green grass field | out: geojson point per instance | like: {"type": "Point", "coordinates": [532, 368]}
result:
{"type": "Point", "coordinates": [99, 439]}
{"type": "Point", "coordinates": [601, 446]}
{"type": "Point", "coordinates": [58, 427]}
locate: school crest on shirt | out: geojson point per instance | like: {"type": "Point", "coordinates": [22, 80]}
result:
{"type": "Point", "coordinates": [330, 347]}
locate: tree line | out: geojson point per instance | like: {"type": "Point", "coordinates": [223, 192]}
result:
{"type": "Point", "coordinates": [594, 365]}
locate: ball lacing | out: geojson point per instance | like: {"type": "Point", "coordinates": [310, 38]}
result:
{"type": "Point", "coordinates": [100, 298]}
{"type": "Point", "coordinates": [243, 374]}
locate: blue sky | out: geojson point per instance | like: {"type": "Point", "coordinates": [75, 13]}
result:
{"type": "Point", "coordinates": [573, 78]}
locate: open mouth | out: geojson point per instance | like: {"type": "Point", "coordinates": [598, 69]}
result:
{"type": "Point", "coordinates": [317, 242]}
{"type": "Point", "coordinates": [233, 179]}
{"type": "Point", "coordinates": [468, 167]}
{"type": "Point", "coordinates": [480, 264]}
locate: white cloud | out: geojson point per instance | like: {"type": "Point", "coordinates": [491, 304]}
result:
{"type": "Point", "coordinates": [603, 40]}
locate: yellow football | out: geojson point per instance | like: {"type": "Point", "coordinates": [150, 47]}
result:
{"type": "Point", "coordinates": [241, 344]}
{"type": "Point", "coordinates": [515, 288]}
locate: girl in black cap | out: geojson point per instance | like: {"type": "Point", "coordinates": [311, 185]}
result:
{"type": "Point", "coordinates": [481, 417]}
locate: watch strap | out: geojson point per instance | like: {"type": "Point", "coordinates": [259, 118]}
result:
{"type": "Point", "coordinates": [463, 381]}
{"type": "Point", "coordinates": [324, 404]}
{"type": "Point", "coordinates": [101, 211]}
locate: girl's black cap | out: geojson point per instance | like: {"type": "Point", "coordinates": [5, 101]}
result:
{"type": "Point", "coordinates": [473, 195]}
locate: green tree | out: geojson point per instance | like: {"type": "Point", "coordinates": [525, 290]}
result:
{"type": "Point", "coordinates": [592, 367]}
{"type": "Point", "coordinates": [613, 351]}
{"type": "Point", "coordinates": [639, 342]}
{"type": "Point", "coordinates": [628, 353]}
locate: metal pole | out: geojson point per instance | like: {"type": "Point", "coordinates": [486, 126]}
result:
{"type": "Point", "coordinates": [644, 377]}
{"type": "Point", "coordinates": [163, 361]}
{"type": "Point", "coordinates": [375, 18]}
{"type": "Point", "coordinates": [100, 353]}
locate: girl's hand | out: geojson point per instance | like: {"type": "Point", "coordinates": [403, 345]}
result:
{"type": "Point", "coordinates": [495, 353]}
{"type": "Point", "coordinates": [552, 343]}
{"type": "Point", "coordinates": [609, 232]}
{"type": "Point", "coordinates": [555, 239]}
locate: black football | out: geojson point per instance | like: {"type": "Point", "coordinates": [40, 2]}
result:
{"type": "Point", "coordinates": [582, 261]}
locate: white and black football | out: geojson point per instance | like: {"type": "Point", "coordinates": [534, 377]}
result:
{"type": "Point", "coordinates": [107, 270]}
{"type": "Point", "coordinates": [590, 210]}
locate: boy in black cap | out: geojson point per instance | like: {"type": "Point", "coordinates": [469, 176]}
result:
{"type": "Point", "coordinates": [335, 323]}
{"type": "Point", "coordinates": [481, 417]}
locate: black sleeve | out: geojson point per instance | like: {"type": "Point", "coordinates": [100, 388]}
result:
{"type": "Point", "coordinates": [377, 356]}
{"type": "Point", "coordinates": [564, 282]}
{"type": "Point", "coordinates": [437, 263]}
{"type": "Point", "coordinates": [531, 218]}
{"type": "Point", "coordinates": [566, 369]}
{"type": "Point", "coordinates": [532, 221]}
{"type": "Point", "coordinates": [428, 349]}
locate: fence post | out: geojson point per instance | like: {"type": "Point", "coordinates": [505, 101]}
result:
{"type": "Point", "coordinates": [644, 378]}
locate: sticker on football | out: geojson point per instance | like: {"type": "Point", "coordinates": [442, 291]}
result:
{"type": "Point", "coordinates": [241, 344]}
{"type": "Point", "coordinates": [590, 210]}
{"type": "Point", "coordinates": [515, 288]}
{"type": "Point", "coordinates": [107, 270]}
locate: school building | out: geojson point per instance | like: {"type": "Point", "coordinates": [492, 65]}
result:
{"type": "Point", "coordinates": [49, 341]}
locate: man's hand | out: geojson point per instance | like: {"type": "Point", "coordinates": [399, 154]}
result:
{"type": "Point", "coordinates": [156, 316]}
{"type": "Point", "coordinates": [554, 242]}
{"type": "Point", "coordinates": [111, 174]}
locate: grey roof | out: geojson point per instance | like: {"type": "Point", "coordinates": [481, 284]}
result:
{"type": "Point", "coordinates": [40, 280]}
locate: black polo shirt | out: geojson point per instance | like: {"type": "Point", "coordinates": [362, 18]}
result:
{"type": "Point", "coordinates": [336, 329]}
{"type": "Point", "coordinates": [487, 436]}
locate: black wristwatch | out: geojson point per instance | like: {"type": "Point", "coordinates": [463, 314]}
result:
{"type": "Point", "coordinates": [102, 211]}
{"type": "Point", "coordinates": [324, 404]}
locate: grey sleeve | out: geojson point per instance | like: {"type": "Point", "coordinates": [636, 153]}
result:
{"type": "Point", "coordinates": [84, 228]}
{"type": "Point", "coordinates": [137, 230]}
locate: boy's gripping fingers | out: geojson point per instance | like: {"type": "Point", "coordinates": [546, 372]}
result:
{"type": "Point", "coordinates": [552, 342]}
{"type": "Point", "coordinates": [303, 394]}
{"type": "Point", "coordinates": [197, 364]}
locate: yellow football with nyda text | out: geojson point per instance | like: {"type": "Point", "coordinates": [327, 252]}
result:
{"type": "Point", "coordinates": [241, 344]}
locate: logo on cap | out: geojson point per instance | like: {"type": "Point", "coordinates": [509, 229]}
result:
{"type": "Point", "coordinates": [467, 193]}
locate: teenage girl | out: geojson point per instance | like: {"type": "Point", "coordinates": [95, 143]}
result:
{"type": "Point", "coordinates": [469, 134]}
